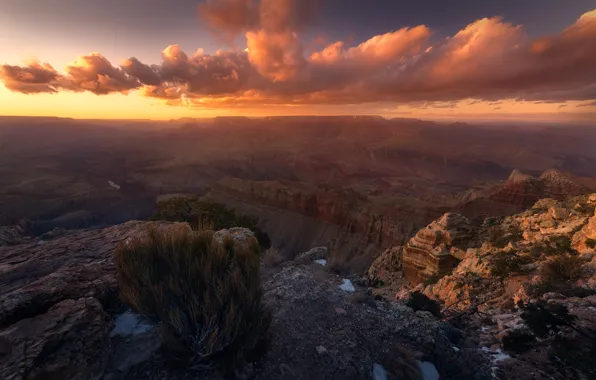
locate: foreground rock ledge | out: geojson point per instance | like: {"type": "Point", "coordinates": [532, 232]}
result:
{"type": "Point", "coordinates": [56, 320]}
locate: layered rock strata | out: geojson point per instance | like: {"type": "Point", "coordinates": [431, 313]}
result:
{"type": "Point", "coordinates": [436, 249]}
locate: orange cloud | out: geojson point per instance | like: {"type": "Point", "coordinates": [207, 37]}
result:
{"type": "Point", "coordinates": [34, 78]}
{"type": "Point", "coordinates": [489, 59]}
{"type": "Point", "coordinates": [94, 73]}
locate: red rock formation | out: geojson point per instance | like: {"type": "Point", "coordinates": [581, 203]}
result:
{"type": "Point", "coordinates": [520, 192]}
{"type": "Point", "coordinates": [344, 220]}
{"type": "Point", "coordinates": [433, 250]}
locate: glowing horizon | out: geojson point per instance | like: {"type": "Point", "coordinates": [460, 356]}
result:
{"type": "Point", "coordinates": [490, 69]}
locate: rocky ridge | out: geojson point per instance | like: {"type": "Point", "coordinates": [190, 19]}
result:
{"type": "Point", "coordinates": [519, 192]}
{"type": "Point", "coordinates": [545, 253]}
{"type": "Point", "coordinates": [60, 317]}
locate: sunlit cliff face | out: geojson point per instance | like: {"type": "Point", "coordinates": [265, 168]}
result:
{"type": "Point", "coordinates": [488, 69]}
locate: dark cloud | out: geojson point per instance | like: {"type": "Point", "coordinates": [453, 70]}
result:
{"type": "Point", "coordinates": [148, 75]}
{"type": "Point", "coordinates": [94, 73]}
{"type": "Point", "coordinates": [591, 104]}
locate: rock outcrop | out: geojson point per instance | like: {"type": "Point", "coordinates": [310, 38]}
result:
{"type": "Point", "coordinates": [519, 192]}
{"type": "Point", "coordinates": [69, 341]}
{"type": "Point", "coordinates": [584, 241]}
{"type": "Point", "coordinates": [547, 253]}
{"type": "Point", "coordinates": [37, 275]}
{"type": "Point", "coordinates": [60, 318]}
{"type": "Point", "coordinates": [436, 249]}
{"type": "Point", "coordinates": [11, 235]}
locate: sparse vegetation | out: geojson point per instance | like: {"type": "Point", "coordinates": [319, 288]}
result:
{"type": "Point", "coordinates": [548, 321]}
{"type": "Point", "coordinates": [559, 275]}
{"type": "Point", "coordinates": [564, 268]}
{"type": "Point", "coordinates": [401, 364]}
{"type": "Point", "coordinates": [518, 341]}
{"type": "Point", "coordinates": [500, 237]}
{"type": "Point", "coordinates": [504, 264]}
{"type": "Point", "coordinates": [203, 214]}
{"type": "Point", "coordinates": [555, 245]}
{"type": "Point", "coordinates": [591, 243]}
{"type": "Point", "coordinates": [205, 294]}
{"type": "Point", "coordinates": [544, 319]}
{"type": "Point", "coordinates": [432, 279]}
{"type": "Point", "coordinates": [419, 301]}
{"type": "Point", "coordinates": [273, 257]}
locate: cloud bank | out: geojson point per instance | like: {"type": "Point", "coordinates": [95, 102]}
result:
{"type": "Point", "coordinates": [490, 59]}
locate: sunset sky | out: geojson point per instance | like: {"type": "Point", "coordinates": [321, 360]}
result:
{"type": "Point", "coordinates": [163, 59]}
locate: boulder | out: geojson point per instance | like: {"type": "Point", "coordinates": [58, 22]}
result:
{"type": "Point", "coordinates": [37, 275]}
{"type": "Point", "coordinates": [69, 341]}
{"type": "Point", "coordinates": [387, 267]}
{"type": "Point", "coordinates": [10, 235]}
{"type": "Point", "coordinates": [318, 253]}
{"type": "Point", "coordinates": [239, 235]}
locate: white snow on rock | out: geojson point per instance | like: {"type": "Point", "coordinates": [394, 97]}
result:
{"type": "Point", "coordinates": [322, 262]}
{"type": "Point", "coordinates": [114, 185]}
{"type": "Point", "coordinates": [428, 369]}
{"type": "Point", "coordinates": [496, 357]}
{"type": "Point", "coordinates": [378, 372]}
{"type": "Point", "coordinates": [129, 323]}
{"type": "Point", "coordinates": [347, 286]}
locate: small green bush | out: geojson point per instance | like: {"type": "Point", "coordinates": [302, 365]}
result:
{"type": "Point", "coordinates": [543, 318]}
{"type": "Point", "coordinates": [518, 341]}
{"type": "Point", "coordinates": [504, 264]}
{"type": "Point", "coordinates": [204, 293]}
{"type": "Point", "coordinates": [201, 213]}
{"type": "Point", "coordinates": [556, 245]}
{"type": "Point", "coordinates": [500, 237]}
{"type": "Point", "coordinates": [419, 301]}
{"type": "Point", "coordinates": [564, 268]}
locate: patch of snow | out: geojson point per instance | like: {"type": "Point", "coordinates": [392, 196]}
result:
{"type": "Point", "coordinates": [378, 372]}
{"type": "Point", "coordinates": [455, 349]}
{"type": "Point", "coordinates": [322, 262]}
{"type": "Point", "coordinates": [495, 357]}
{"type": "Point", "coordinates": [321, 350]}
{"type": "Point", "coordinates": [347, 286]}
{"type": "Point", "coordinates": [499, 355]}
{"type": "Point", "coordinates": [484, 329]}
{"type": "Point", "coordinates": [428, 369]}
{"type": "Point", "coordinates": [129, 323]}
{"type": "Point", "coordinates": [114, 185]}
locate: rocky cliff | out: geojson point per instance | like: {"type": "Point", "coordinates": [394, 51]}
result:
{"type": "Point", "coordinates": [519, 192]}
{"type": "Point", "coordinates": [481, 274]}
{"type": "Point", "coordinates": [298, 217]}
{"type": "Point", "coordinates": [436, 249]}
{"type": "Point", "coordinates": [60, 318]}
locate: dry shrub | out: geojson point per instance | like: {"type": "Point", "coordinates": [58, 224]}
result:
{"type": "Point", "coordinates": [419, 301]}
{"type": "Point", "coordinates": [563, 268]}
{"type": "Point", "coordinates": [205, 294]}
{"type": "Point", "coordinates": [273, 257]}
{"type": "Point", "coordinates": [401, 364]}
{"type": "Point", "coordinates": [337, 263]}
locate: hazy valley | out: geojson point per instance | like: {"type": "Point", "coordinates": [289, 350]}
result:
{"type": "Point", "coordinates": [356, 184]}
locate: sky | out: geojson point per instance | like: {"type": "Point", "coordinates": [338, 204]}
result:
{"type": "Point", "coordinates": [163, 59]}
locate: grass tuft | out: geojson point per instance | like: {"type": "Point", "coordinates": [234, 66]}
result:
{"type": "Point", "coordinates": [204, 293]}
